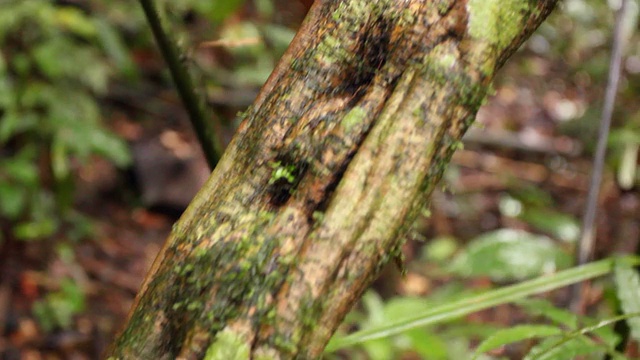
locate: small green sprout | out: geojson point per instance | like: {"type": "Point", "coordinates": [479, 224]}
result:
{"type": "Point", "coordinates": [280, 171]}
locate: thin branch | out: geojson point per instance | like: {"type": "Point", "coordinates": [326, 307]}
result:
{"type": "Point", "coordinates": [512, 140]}
{"type": "Point", "coordinates": [585, 246]}
{"type": "Point", "coordinates": [202, 127]}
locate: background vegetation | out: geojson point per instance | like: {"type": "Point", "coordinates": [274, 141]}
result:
{"type": "Point", "coordinates": [97, 160]}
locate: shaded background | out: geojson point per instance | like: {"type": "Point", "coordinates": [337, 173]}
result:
{"type": "Point", "coordinates": [97, 160]}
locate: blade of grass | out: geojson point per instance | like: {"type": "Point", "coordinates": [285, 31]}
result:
{"type": "Point", "coordinates": [456, 309]}
{"type": "Point", "coordinates": [548, 352]}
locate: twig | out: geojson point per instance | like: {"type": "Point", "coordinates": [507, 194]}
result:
{"type": "Point", "coordinates": [203, 128]}
{"type": "Point", "coordinates": [231, 43]}
{"type": "Point", "coordinates": [585, 246]}
{"type": "Point", "coordinates": [512, 140]}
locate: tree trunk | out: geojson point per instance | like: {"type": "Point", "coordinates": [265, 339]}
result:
{"type": "Point", "coordinates": [327, 172]}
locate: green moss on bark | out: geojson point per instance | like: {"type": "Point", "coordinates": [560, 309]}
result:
{"type": "Point", "coordinates": [325, 175]}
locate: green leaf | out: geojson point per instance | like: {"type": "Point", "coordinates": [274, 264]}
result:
{"type": "Point", "coordinates": [380, 313]}
{"type": "Point", "coordinates": [37, 94]}
{"type": "Point", "coordinates": [509, 254]}
{"type": "Point", "coordinates": [628, 289]}
{"type": "Point", "coordinates": [218, 10]}
{"type": "Point", "coordinates": [75, 122]}
{"type": "Point", "coordinates": [457, 309]}
{"type": "Point", "coordinates": [59, 160]}
{"type": "Point", "coordinates": [14, 13]}
{"type": "Point", "coordinates": [35, 229]}
{"type": "Point", "coordinates": [59, 58]}
{"type": "Point", "coordinates": [279, 36]}
{"type": "Point", "coordinates": [44, 315]}
{"type": "Point", "coordinates": [379, 349]}
{"type": "Point", "coordinates": [22, 64]}
{"type": "Point", "coordinates": [469, 330]}
{"type": "Point", "coordinates": [460, 348]}
{"type": "Point", "coordinates": [553, 349]}
{"type": "Point", "coordinates": [75, 21]}
{"type": "Point", "coordinates": [5, 83]}
{"type": "Point", "coordinates": [254, 74]}
{"type": "Point", "coordinates": [532, 196]}
{"type": "Point", "coordinates": [626, 135]}
{"type": "Point", "coordinates": [265, 8]}
{"type": "Point", "coordinates": [427, 344]}
{"type": "Point", "coordinates": [440, 249]}
{"type": "Point", "coordinates": [420, 340]}
{"type": "Point", "coordinates": [73, 114]}
{"type": "Point", "coordinates": [21, 169]}
{"type": "Point", "coordinates": [545, 308]}
{"type": "Point", "coordinates": [115, 48]}
{"type": "Point", "coordinates": [562, 226]}
{"type": "Point", "coordinates": [13, 200]}
{"type": "Point", "coordinates": [606, 335]}
{"type": "Point", "coordinates": [73, 295]}
{"type": "Point", "coordinates": [58, 308]}
{"type": "Point", "coordinates": [515, 334]}
{"type": "Point", "coordinates": [12, 123]}
{"type": "Point", "coordinates": [110, 146]}
{"type": "Point", "coordinates": [577, 343]}
{"type": "Point", "coordinates": [48, 57]}
{"type": "Point", "coordinates": [374, 306]}
{"type": "Point", "coordinates": [628, 167]}
{"type": "Point", "coordinates": [402, 307]}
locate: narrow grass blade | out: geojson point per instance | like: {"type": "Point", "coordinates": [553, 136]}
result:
{"type": "Point", "coordinates": [456, 309]}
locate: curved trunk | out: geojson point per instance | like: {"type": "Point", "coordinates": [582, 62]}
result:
{"type": "Point", "coordinates": [327, 172]}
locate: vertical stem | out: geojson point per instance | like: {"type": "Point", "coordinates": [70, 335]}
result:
{"type": "Point", "coordinates": [204, 129]}
{"type": "Point", "coordinates": [584, 250]}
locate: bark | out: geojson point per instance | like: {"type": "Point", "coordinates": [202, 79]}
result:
{"type": "Point", "coordinates": [330, 166]}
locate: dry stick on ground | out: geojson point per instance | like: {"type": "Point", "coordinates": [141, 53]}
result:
{"type": "Point", "coordinates": [328, 170]}
{"type": "Point", "coordinates": [585, 246]}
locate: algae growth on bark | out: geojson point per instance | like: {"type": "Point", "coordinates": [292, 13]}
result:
{"type": "Point", "coordinates": [329, 167]}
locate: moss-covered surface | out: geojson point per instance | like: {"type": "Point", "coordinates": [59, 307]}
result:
{"type": "Point", "coordinates": [325, 175]}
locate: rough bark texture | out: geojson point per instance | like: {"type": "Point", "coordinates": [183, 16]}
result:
{"type": "Point", "coordinates": [327, 172]}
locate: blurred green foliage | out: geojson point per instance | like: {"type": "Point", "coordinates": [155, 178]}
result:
{"type": "Point", "coordinates": [574, 46]}
{"type": "Point", "coordinates": [404, 325]}
{"type": "Point", "coordinates": [214, 10]}
{"type": "Point", "coordinates": [56, 62]}
{"type": "Point", "coordinates": [57, 308]}
{"type": "Point", "coordinates": [254, 41]}
{"type": "Point", "coordinates": [509, 255]}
